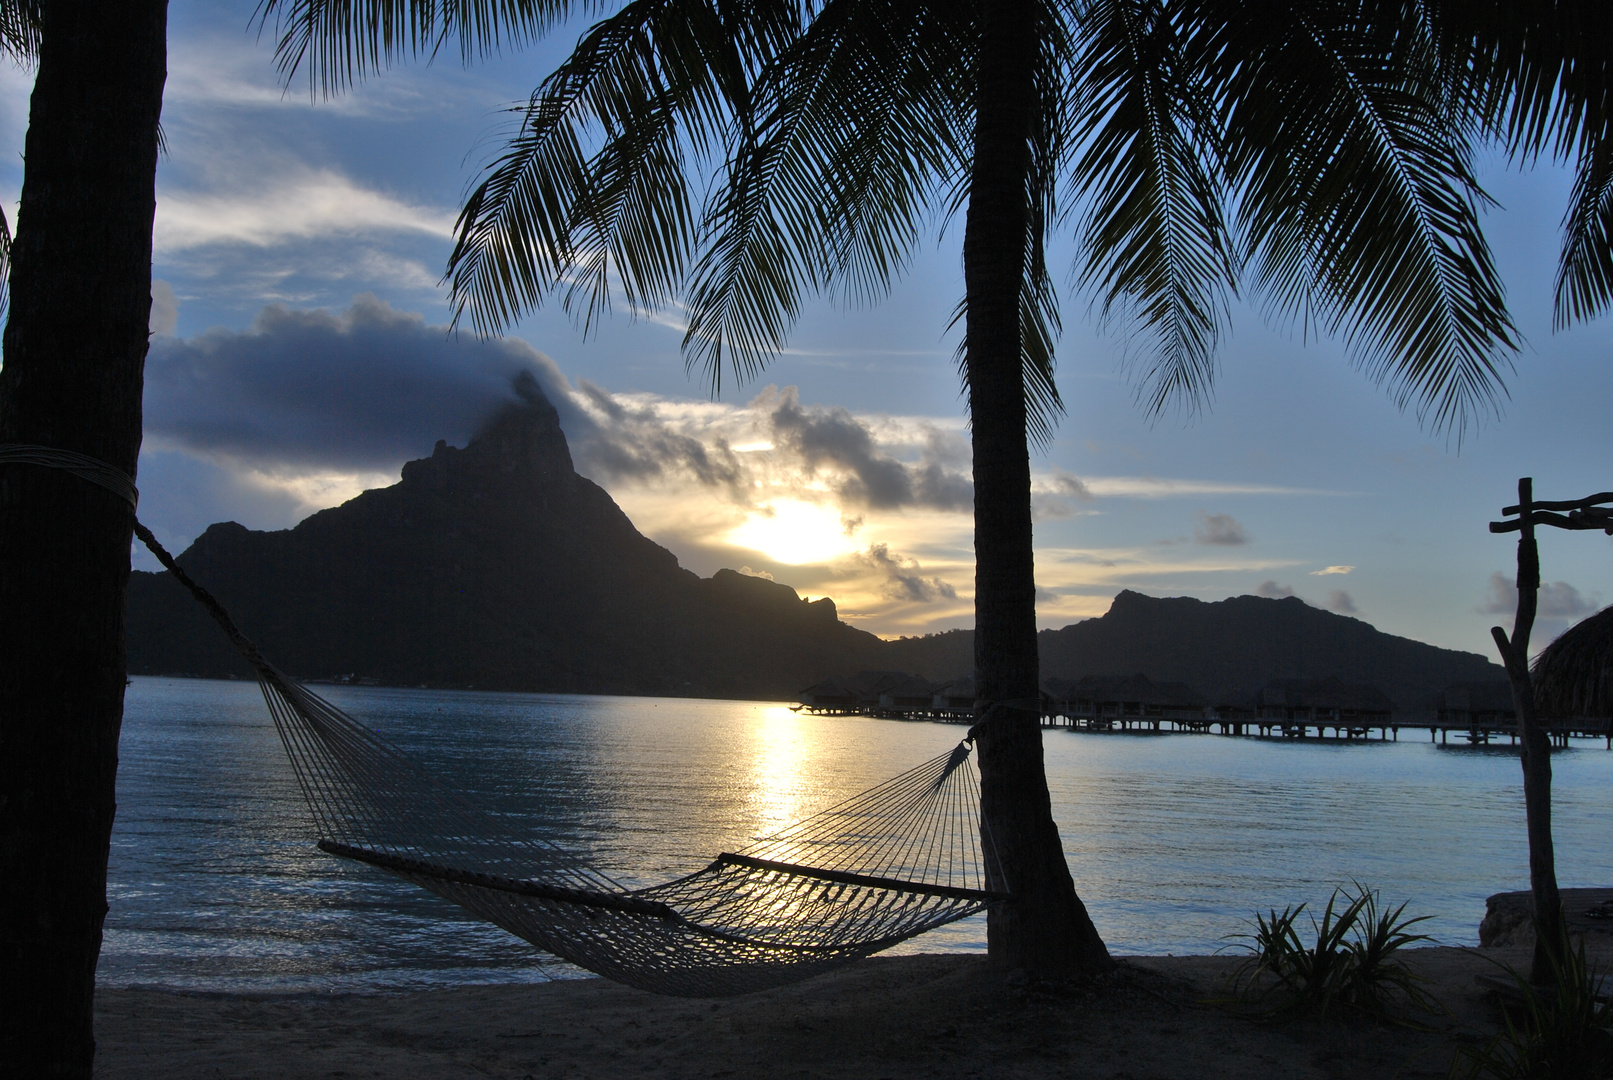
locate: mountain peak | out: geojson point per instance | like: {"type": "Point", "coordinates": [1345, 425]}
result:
{"type": "Point", "coordinates": [520, 444]}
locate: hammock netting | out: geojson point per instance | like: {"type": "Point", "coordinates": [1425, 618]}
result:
{"type": "Point", "coordinates": [883, 866]}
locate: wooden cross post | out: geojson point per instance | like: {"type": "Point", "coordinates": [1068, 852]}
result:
{"type": "Point", "coordinates": [1534, 745]}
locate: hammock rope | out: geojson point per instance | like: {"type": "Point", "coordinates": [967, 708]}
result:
{"type": "Point", "coordinates": [901, 858]}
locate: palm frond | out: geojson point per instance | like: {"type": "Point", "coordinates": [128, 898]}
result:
{"type": "Point", "coordinates": [593, 188]}
{"type": "Point", "coordinates": [856, 125]}
{"type": "Point", "coordinates": [1039, 322]}
{"type": "Point", "coordinates": [21, 22]}
{"type": "Point", "coordinates": [1539, 77]}
{"type": "Point", "coordinates": [1357, 198]}
{"type": "Point", "coordinates": [5, 264]}
{"type": "Point", "coordinates": [1154, 244]}
{"type": "Point", "coordinates": [340, 42]}
{"type": "Point", "coordinates": [1585, 271]}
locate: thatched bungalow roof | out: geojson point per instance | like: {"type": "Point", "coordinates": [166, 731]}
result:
{"type": "Point", "coordinates": [1128, 689]}
{"type": "Point", "coordinates": [1573, 676]}
{"type": "Point", "coordinates": [830, 693]}
{"type": "Point", "coordinates": [959, 693]}
{"type": "Point", "coordinates": [913, 692]}
{"type": "Point", "coordinates": [1477, 697]}
{"type": "Point", "coordinates": [1329, 693]}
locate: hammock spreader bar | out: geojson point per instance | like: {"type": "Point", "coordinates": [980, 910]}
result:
{"type": "Point", "coordinates": [728, 858]}
{"type": "Point", "coordinates": [520, 887]}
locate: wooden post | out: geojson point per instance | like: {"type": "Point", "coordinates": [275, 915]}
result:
{"type": "Point", "coordinates": [1534, 747]}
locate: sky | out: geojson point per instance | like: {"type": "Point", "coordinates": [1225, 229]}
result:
{"type": "Point", "coordinates": [301, 354]}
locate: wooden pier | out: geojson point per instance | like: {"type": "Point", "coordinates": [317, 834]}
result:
{"type": "Point", "coordinates": [1316, 709]}
{"type": "Point", "coordinates": [1560, 731]}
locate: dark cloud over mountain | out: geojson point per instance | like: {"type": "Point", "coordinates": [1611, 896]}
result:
{"type": "Point", "coordinates": [366, 388]}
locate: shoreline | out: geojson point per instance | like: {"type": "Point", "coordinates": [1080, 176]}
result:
{"type": "Point", "coordinates": [917, 1015]}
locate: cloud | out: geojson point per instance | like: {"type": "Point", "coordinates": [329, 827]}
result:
{"type": "Point", "coordinates": [301, 204]}
{"type": "Point", "coordinates": [617, 439]}
{"type": "Point", "coordinates": [748, 572]}
{"type": "Point", "coordinates": [1274, 591]}
{"type": "Point", "coordinates": [1560, 599]}
{"type": "Point", "coordinates": [903, 578]}
{"type": "Point", "coordinates": [1326, 570]}
{"type": "Point", "coordinates": [359, 390]}
{"type": "Point", "coordinates": [229, 74]}
{"type": "Point", "coordinates": [833, 441]}
{"type": "Point", "coordinates": [1556, 599]}
{"type": "Point", "coordinates": [1558, 606]}
{"type": "Point", "coordinates": [1340, 601]}
{"type": "Point", "coordinates": [1056, 495]}
{"type": "Point", "coordinates": [1219, 529]}
{"type": "Point", "coordinates": [1157, 487]}
{"type": "Point", "coordinates": [164, 308]}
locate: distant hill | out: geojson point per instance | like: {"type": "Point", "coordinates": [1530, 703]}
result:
{"type": "Point", "coordinates": [1224, 649]}
{"type": "Point", "coordinates": [498, 567]}
{"type": "Point", "coordinates": [495, 566]}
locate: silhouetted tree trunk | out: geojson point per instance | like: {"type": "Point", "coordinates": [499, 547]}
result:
{"type": "Point", "coordinates": [1046, 930]}
{"type": "Point", "coordinates": [1534, 751]}
{"type": "Point", "coordinates": [75, 350]}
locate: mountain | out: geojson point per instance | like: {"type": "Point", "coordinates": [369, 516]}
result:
{"type": "Point", "coordinates": [498, 567]}
{"type": "Point", "coordinates": [1226, 649]}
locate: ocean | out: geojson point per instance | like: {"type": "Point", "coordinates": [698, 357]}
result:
{"type": "Point", "coordinates": [1174, 841]}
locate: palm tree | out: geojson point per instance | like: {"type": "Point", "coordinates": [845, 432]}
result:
{"type": "Point", "coordinates": [75, 344]}
{"type": "Point", "coordinates": [1316, 154]}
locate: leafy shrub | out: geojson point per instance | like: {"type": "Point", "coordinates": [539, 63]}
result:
{"type": "Point", "coordinates": [1561, 1031]}
{"type": "Point", "coordinates": [1351, 966]}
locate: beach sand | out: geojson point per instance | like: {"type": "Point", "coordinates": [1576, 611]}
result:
{"type": "Point", "coordinates": [897, 1017]}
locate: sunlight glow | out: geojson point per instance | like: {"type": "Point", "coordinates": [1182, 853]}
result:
{"type": "Point", "coordinates": [795, 533]}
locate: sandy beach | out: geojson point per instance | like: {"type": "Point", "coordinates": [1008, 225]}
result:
{"type": "Point", "coordinates": [913, 1016]}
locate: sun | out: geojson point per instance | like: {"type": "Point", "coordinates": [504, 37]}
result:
{"type": "Point", "coordinates": [794, 533]}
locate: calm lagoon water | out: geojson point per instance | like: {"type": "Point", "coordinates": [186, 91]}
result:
{"type": "Point", "coordinates": [1174, 841]}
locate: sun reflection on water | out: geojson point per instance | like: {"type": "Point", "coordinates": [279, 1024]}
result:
{"type": "Point", "coordinates": [785, 766]}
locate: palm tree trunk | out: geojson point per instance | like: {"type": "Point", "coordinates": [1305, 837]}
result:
{"type": "Point", "coordinates": [1534, 752]}
{"type": "Point", "coordinates": [1045, 930]}
{"type": "Point", "coordinates": [75, 350]}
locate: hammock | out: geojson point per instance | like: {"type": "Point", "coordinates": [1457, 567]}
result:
{"type": "Point", "coordinates": [893, 862]}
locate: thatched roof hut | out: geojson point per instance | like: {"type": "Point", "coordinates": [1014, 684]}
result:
{"type": "Point", "coordinates": [1573, 676]}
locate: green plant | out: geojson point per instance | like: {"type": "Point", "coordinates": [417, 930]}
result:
{"type": "Point", "coordinates": [1378, 981]}
{"type": "Point", "coordinates": [1351, 965]}
{"type": "Point", "coordinates": [1561, 1031]}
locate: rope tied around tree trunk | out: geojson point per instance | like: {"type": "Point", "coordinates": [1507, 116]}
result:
{"type": "Point", "coordinates": [83, 466]}
{"type": "Point", "coordinates": [121, 484]}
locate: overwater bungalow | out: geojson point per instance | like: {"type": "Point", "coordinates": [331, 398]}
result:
{"type": "Point", "coordinates": [911, 697]}
{"type": "Point", "coordinates": [1476, 705]}
{"type": "Point", "coordinates": [1125, 701]}
{"type": "Point", "coordinates": [860, 693]}
{"type": "Point", "coordinates": [955, 700]}
{"type": "Point", "coordinates": [830, 696]}
{"type": "Point", "coordinates": [1324, 703]}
